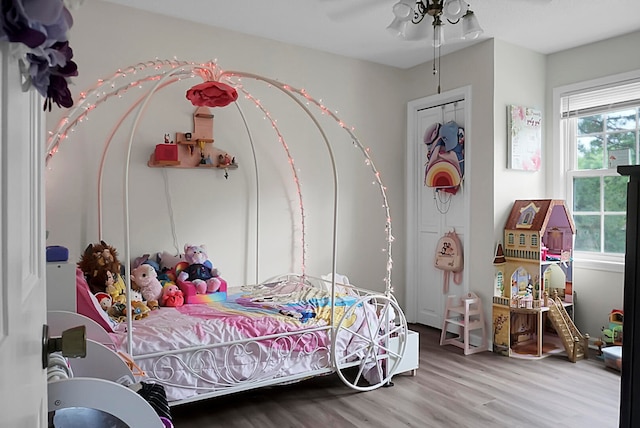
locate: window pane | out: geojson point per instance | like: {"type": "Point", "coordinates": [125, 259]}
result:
{"type": "Point", "coordinates": [590, 124]}
{"type": "Point", "coordinates": [615, 193]}
{"type": "Point", "coordinates": [622, 140]}
{"type": "Point", "coordinates": [590, 152]}
{"type": "Point", "coordinates": [614, 233]}
{"type": "Point", "coordinates": [586, 194]}
{"type": "Point", "coordinates": [621, 120]}
{"type": "Point", "coordinates": [587, 232]}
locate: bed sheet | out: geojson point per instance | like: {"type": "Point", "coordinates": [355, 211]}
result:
{"type": "Point", "coordinates": [249, 312]}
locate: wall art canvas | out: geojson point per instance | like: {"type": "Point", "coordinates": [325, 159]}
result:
{"type": "Point", "coordinates": [525, 138]}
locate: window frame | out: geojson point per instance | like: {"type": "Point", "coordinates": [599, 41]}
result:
{"type": "Point", "coordinates": [563, 155]}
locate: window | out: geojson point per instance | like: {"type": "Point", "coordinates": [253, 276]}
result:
{"type": "Point", "coordinates": [523, 240]}
{"type": "Point", "coordinates": [599, 128]}
{"type": "Point", "coordinates": [534, 240]}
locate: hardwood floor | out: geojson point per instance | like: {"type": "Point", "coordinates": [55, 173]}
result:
{"type": "Point", "coordinates": [449, 390]}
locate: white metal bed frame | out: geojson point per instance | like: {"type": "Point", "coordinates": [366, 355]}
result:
{"type": "Point", "coordinates": [390, 318]}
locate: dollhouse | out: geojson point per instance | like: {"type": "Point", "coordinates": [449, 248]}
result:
{"type": "Point", "coordinates": [534, 283]}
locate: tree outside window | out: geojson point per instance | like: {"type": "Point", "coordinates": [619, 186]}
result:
{"type": "Point", "coordinates": [598, 191]}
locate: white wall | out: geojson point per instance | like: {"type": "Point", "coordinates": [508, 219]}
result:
{"type": "Point", "coordinates": [207, 208]}
{"type": "Point", "coordinates": [479, 151]}
{"type": "Point", "coordinates": [599, 288]}
{"type": "Point", "coordinates": [519, 79]}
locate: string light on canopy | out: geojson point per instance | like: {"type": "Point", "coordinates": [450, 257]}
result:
{"type": "Point", "coordinates": [410, 23]}
{"type": "Point", "coordinates": [166, 72]}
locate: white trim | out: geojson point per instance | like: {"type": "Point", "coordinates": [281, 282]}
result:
{"type": "Point", "coordinates": [558, 151]}
{"type": "Point", "coordinates": [412, 265]}
{"type": "Point", "coordinates": [590, 263]}
{"type": "Point", "coordinates": [561, 154]}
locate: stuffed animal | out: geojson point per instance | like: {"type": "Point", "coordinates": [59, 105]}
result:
{"type": "Point", "coordinates": [96, 261]}
{"type": "Point", "coordinates": [172, 295]}
{"type": "Point", "coordinates": [105, 300]}
{"type": "Point", "coordinates": [199, 270]}
{"type": "Point", "coordinates": [118, 311]}
{"type": "Point", "coordinates": [139, 310]}
{"type": "Point", "coordinates": [144, 278]}
{"type": "Point", "coordinates": [115, 287]}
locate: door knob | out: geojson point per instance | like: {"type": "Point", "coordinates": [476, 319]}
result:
{"type": "Point", "coordinates": [72, 343]}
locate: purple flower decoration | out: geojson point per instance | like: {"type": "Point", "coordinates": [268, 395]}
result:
{"type": "Point", "coordinates": [49, 74]}
{"type": "Point", "coordinates": [16, 25]}
{"type": "Point", "coordinates": [42, 26]}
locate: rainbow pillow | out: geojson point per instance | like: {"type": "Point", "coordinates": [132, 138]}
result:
{"type": "Point", "coordinates": [218, 296]}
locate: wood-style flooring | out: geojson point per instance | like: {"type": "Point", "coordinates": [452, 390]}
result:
{"type": "Point", "coordinates": [449, 390]}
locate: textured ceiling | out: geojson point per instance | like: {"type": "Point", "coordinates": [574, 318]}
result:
{"type": "Point", "coordinates": [356, 28]}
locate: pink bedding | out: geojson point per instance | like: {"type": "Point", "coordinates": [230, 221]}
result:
{"type": "Point", "coordinates": [248, 313]}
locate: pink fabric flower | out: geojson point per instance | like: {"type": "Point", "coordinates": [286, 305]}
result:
{"type": "Point", "coordinates": [212, 94]}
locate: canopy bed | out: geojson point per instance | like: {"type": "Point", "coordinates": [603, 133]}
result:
{"type": "Point", "coordinates": [266, 331]}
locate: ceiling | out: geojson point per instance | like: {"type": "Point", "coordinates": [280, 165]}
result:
{"type": "Point", "coordinates": [356, 28]}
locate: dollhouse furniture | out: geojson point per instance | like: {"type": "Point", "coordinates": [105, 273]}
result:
{"type": "Point", "coordinates": [534, 266]}
{"type": "Point", "coordinates": [464, 314]}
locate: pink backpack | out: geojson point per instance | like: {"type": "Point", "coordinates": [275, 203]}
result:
{"type": "Point", "coordinates": [449, 258]}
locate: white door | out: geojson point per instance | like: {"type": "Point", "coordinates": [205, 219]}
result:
{"type": "Point", "coordinates": [430, 214]}
{"type": "Point", "coordinates": [23, 387]}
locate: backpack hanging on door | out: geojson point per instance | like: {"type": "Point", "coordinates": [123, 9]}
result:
{"type": "Point", "coordinates": [445, 157]}
{"type": "Point", "coordinates": [449, 258]}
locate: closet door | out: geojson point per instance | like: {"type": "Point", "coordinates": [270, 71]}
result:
{"type": "Point", "coordinates": [22, 248]}
{"type": "Point", "coordinates": [431, 215]}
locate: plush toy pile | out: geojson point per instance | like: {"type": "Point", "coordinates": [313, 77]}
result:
{"type": "Point", "coordinates": [167, 281]}
{"type": "Point", "coordinates": [102, 270]}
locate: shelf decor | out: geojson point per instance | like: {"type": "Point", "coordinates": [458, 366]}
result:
{"type": "Point", "coordinates": [525, 138]}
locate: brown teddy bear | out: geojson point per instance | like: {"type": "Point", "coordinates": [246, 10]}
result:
{"type": "Point", "coordinates": [96, 263]}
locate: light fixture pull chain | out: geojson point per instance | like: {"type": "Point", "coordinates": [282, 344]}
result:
{"type": "Point", "coordinates": [436, 64]}
{"type": "Point", "coordinates": [435, 72]}
{"type": "Point", "coordinates": [438, 69]}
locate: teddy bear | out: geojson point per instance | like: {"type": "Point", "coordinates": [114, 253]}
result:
{"type": "Point", "coordinates": [144, 278]}
{"type": "Point", "coordinates": [199, 271]}
{"type": "Point", "coordinates": [172, 295]}
{"type": "Point", "coordinates": [96, 261]}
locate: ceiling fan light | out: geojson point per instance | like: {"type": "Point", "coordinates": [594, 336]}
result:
{"type": "Point", "coordinates": [470, 26]}
{"type": "Point", "coordinates": [455, 9]}
{"type": "Point", "coordinates": [397, 27]}
{"type": "Point", "coordinates": [403, 10]}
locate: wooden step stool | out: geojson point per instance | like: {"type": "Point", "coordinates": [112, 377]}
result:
{"type": "Point", "coordinates": [465, 314]}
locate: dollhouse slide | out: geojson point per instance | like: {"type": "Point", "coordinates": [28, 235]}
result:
{"type": "Point", "coordinates": [575, 344]}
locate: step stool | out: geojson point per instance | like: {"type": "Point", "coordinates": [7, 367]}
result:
{"type": "Point", "coordinates": [465, 314]}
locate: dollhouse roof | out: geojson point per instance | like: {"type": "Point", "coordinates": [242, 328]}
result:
{"type": "Point", "coordinates": [536, 215]}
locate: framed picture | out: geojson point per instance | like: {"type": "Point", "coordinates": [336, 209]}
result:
{"type": "Point", "coordinates": [525, 138]}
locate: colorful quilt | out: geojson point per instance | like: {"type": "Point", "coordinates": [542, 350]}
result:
{"type": "Point", "coordinates": [249, 312]}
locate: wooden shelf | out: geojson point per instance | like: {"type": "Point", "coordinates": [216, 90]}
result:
{"type": "Point", "coordinates": [189, 156]}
